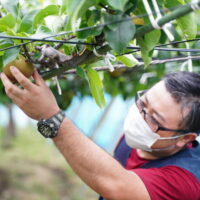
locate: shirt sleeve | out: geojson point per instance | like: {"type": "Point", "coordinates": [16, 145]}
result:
{"type": "Point", "coordinates": [170, 183]}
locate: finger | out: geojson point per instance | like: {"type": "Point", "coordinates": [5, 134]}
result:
{"type": "Point", "coordinates": [21, 79]}
{"type": "Point", "coordinates": [38, 79]}
{"type": "Point", "coordinates": [11, 90]}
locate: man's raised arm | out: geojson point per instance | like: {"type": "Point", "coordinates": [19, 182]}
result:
{"type": "Point", "coordinates": [92, 164]}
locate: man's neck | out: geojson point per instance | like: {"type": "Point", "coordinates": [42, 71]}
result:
{"type": "Point", "coordinates": [145, 155]}
{"type": "Point", "coordinates": [155, 155]}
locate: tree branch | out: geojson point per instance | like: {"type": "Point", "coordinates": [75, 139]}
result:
{"type": "Point", "coordinates": [121, 66]}
{"type": "Point", "coordinates": [86, 58]}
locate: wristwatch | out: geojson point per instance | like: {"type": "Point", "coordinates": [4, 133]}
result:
{"type": "Point", "coordinates": [49, 127]}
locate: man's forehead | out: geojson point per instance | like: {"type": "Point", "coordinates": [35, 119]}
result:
{"type": "Point", "coordinates": [159, 86]}
{"type": "Point", "coordinates": [158, 96]}
{"type": "Point", "coordinates": [163, 103]}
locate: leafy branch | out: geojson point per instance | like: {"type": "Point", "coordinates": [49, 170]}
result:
{"type": "Point", "coordinates": [89, 57]}
{"type": "Point", "coordinates": [98, 28]}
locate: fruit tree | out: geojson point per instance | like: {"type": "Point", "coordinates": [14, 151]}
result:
{"type": "Point", "coordinates": [117, 46]}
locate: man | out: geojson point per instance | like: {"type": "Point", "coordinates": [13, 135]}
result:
{"type": "Point", "coordinates": [159, 156]}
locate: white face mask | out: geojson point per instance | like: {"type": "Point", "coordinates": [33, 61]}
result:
{"type": "Point", "coordinates": [139, 135]}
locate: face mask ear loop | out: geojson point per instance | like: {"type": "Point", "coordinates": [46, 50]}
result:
{"type": "Point", "coordinates": [165, 138]}
{"type": "Point", "coordinates": [173, 137]}
{"type": "Point", "coordinates": [163, 149]}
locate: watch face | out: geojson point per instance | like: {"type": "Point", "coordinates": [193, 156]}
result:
{"type": "Point", "coordinates": [45, 130]}
{"type": "Point", "coordinates": [49, 128]}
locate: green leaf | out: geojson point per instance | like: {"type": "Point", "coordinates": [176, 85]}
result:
{"type": "Point", "coordinates": [68, 49]}
{"type": "Point", "coordinates": [10, 55]}
{"type": "Point", "coordinates": [87, 33]}
{"type": "Point", "coordinates": [11, 6]}
{"type": "Point", "coordinates": [152, 38]}
{"type": "Point", "coordinates": [188, 25]}
{"type": "Point", "coordinates": [144, 51]}
{"type": "Point", "coordinates": [120, 38]}
{"type": "Point", "coordinates": [49, 10]}
{"type": "Point", "coordinates": [96, 87]}
{"type": "Point", "coordinates": [173, 3]}
{"type": "Point", "coordinates": [5, 43]}
{"type": "Point", "coordinates": [147, 45]}
{"type": "Point", "coordinates": [118, 4]}
{"type": "Point", "coordinates": [81, 72]}
{"type": "Point", "coordinates": [131, 6]}
{"type": "Point", "coordinates": [128, 60]}
{"type": "Point", "coordinates": [1, 64]}
{"type": "Point", "coordinates": [91, 19]}
{"type": "Point", "coordinates": [78, 8]}
{"type": "Point", "coordinates": [74, 12]}
{"type": "Point", "coordinates": [8, 21]}
{"type": "Point", "coordinates": [3, 28]}
{"type": "Point", "coordinates": [8, 31]}
{"type": "Point", "coordinates": [27, 22]}
{"type": "Point", "coordinates": [42, 32]}
{"type": "Point", "coordinates": [65, 5]}
{"type": "Point", "coordinates": [181, 1]}
{"type": "Point", "coordinates": [111, 18]}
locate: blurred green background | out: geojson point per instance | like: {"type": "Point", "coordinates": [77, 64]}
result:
{"type": "Point", "coordinates": [32, 168]}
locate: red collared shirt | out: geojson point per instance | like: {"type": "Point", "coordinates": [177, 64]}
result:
{"type": "Point", "coordinates": [165, 183]}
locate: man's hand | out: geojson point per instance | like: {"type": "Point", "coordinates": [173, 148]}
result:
{"type": "Point", "coordinates": [36, 100]}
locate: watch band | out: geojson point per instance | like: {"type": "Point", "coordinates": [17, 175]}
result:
{"type": "Point", "coordinates": [58, 118]}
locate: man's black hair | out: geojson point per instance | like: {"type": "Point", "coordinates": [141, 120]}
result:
{"type": "Point", "coordinates": [185, 89]}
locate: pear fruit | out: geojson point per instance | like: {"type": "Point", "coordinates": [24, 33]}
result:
{"type": "Point", "coordinates": [25, 67]}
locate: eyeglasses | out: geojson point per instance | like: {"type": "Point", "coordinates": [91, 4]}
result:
{"type": "Point", "coordinates": [153, 124]}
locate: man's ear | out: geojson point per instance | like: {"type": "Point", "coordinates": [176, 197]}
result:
{"type": "Point", "coordinates": [186, 139]}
